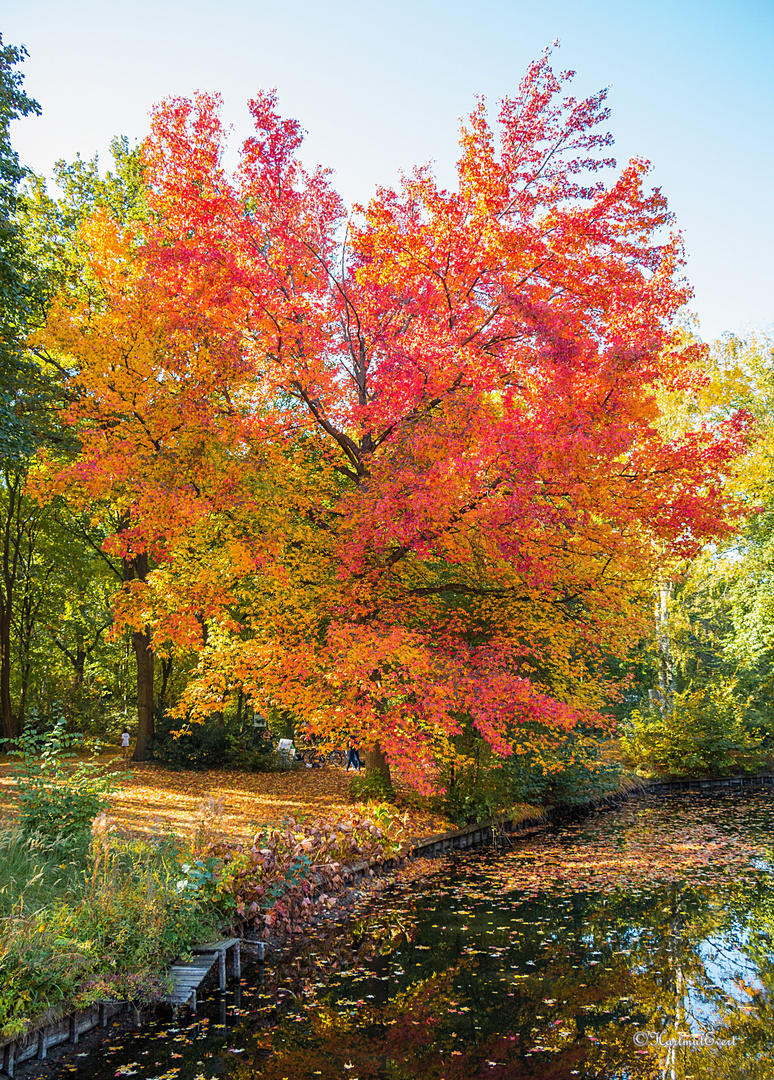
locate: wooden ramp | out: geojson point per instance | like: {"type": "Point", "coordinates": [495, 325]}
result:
{"type": "Point", "coordinates": [187, 976]}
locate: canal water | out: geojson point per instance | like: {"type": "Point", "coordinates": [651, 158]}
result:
{"type": "Point", "coordinates": [634, 944]}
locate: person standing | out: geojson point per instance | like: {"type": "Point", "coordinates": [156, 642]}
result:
{"type": "Point", "coordinates": [353, 756]}
{"type": "Point", "coordinates": [125, 745]}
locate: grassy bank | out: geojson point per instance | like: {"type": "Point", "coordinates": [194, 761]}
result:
{"type": "Point", "coordinates": [79, 924]}
{"type": "Point", "coordinates": [94, 908]}
{"type": "Point", "coordinates": [102, 921]}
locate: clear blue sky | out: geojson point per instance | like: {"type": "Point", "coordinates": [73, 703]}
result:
{"type": "Point", "coordinates": [379, 86]}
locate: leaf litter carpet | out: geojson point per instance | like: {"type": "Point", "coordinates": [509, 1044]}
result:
{"type": "Point", "coordinates": [152, 800]}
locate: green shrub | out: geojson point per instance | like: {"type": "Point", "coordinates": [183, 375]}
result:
{"type": "Point", "coordinates": [59, 796]}
{"type": "Point", "coordinates": [141, 906]}
{"type": "Point", "coordinates": [181, 745]}
{"type": "Point", "coordinates": [568, 770]}
{"type": "Point", "coordinates": [704, 734]}
{"type": "Point", "coordinates": [370, 787]}
{"type": "Point", "coordinates": [266, 759]}
{"type": "Point", "coordinates": [544, 769]}
{"type": "Point", "coordinates": [476, 785]}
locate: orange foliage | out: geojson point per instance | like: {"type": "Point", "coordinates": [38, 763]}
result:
{"type": "Point", "coordinates": [405, 467]}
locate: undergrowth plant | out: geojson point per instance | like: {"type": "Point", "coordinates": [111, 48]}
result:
{"type": "Point", "coordinates": [109, 934]}
{"type": "Point", "coordinates": [370, 787]}
{"type": "Point", "coordinates": [543, 770]}
{"type": "Point", "coordinates": [59, 794]}
{"type": "Point", "coordinates": [33, 874]}
{"type": "Point", "coordinates": [703, 733]}
{"type": "Point", "coordinates": [569, 770]}
{"type": "Point", "coordinates": [292, 873]}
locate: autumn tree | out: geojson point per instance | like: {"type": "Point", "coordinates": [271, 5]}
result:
{"type": "Point", "coordinates": [404, 467]}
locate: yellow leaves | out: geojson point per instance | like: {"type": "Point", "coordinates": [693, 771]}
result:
{"type": "Point", "coordinates": [740, 378]}
{"type": "Point", "coordinates": [375, 527]}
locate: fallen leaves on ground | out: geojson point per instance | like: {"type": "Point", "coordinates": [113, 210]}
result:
{"type": "Point", "coordinates": [232, 804]}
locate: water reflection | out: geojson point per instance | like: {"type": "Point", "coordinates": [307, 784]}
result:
{"type": "Point", "coordinates": [501, 966]}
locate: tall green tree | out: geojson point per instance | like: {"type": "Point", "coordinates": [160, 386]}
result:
{"type": "Point", "coordinates": [17, 278]}
{"type": "Point", "coordinates": [16, 370]}
{"type": "Point", "coordinates": [55, 234]}
{"type": "Point", "coordinates": [732, 588]}
{"type": "Point", "coordinates": [48, 561]}
{"type": "Point", "coordinates": [715, 627]}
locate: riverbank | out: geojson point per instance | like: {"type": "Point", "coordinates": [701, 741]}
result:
{"type": "Point", "coordinates": [362, 880]}
{"type": "Point", "coordinates": [122, 1021]}
{"type": "Point", "coordinates": [408, 968]}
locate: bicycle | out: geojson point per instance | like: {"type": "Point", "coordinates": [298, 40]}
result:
{"type": "Point", "coordinates": [317, 758]}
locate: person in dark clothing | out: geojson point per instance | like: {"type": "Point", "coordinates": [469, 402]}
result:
{"type": "Point", "coordinates": [353, 756]}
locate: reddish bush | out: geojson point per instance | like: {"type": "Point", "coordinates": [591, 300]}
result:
{"type": "Point", "coordinates": [292, 873]}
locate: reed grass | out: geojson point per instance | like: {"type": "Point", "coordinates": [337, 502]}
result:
{"type": "Point", "coordinates": [99, 923]}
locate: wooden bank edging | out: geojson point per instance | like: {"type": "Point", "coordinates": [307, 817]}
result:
{"type": "Point", "coordinates": [719, 786]}
{"type": "Point", "coordinates": [53, 1030]}
{"type": "Point", "coordinates": [56, 1029]}
{"type": "Point", "coordinates": [472, 836]}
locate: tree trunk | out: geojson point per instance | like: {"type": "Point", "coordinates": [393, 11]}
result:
{"type": "Point", "coordinates": [33, 581]}
{"type": "Point", "coordinates": [25, 683]}
{"type": "Point", "coordinates": [138, 568]}
{"type": "Point", "coordinates": [11, 535]}
{"type": "Point", "coordinates": [665, 693]}
{"type": "Point", "coordinates": [8, 725]}
{"type": "Point", "coordinates": [376, 762]}
{"type": "Point", "coordinates": [166, 673]}
{"type": "Point", "coordinates": [145, 728]}
{"type": "Point", "coordinates": [80, 660]}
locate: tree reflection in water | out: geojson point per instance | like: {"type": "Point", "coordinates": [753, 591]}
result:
{"type": "Point", "coordinates": [543, 962]}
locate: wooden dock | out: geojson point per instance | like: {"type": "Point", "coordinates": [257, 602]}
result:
{"type": "Point", "coordinates": [187, 976]}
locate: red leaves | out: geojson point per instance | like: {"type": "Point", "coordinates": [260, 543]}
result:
{"type": "Point", "coordinates": [298, 869]}
{"type": "Point", "coordinates": [405, 470]}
